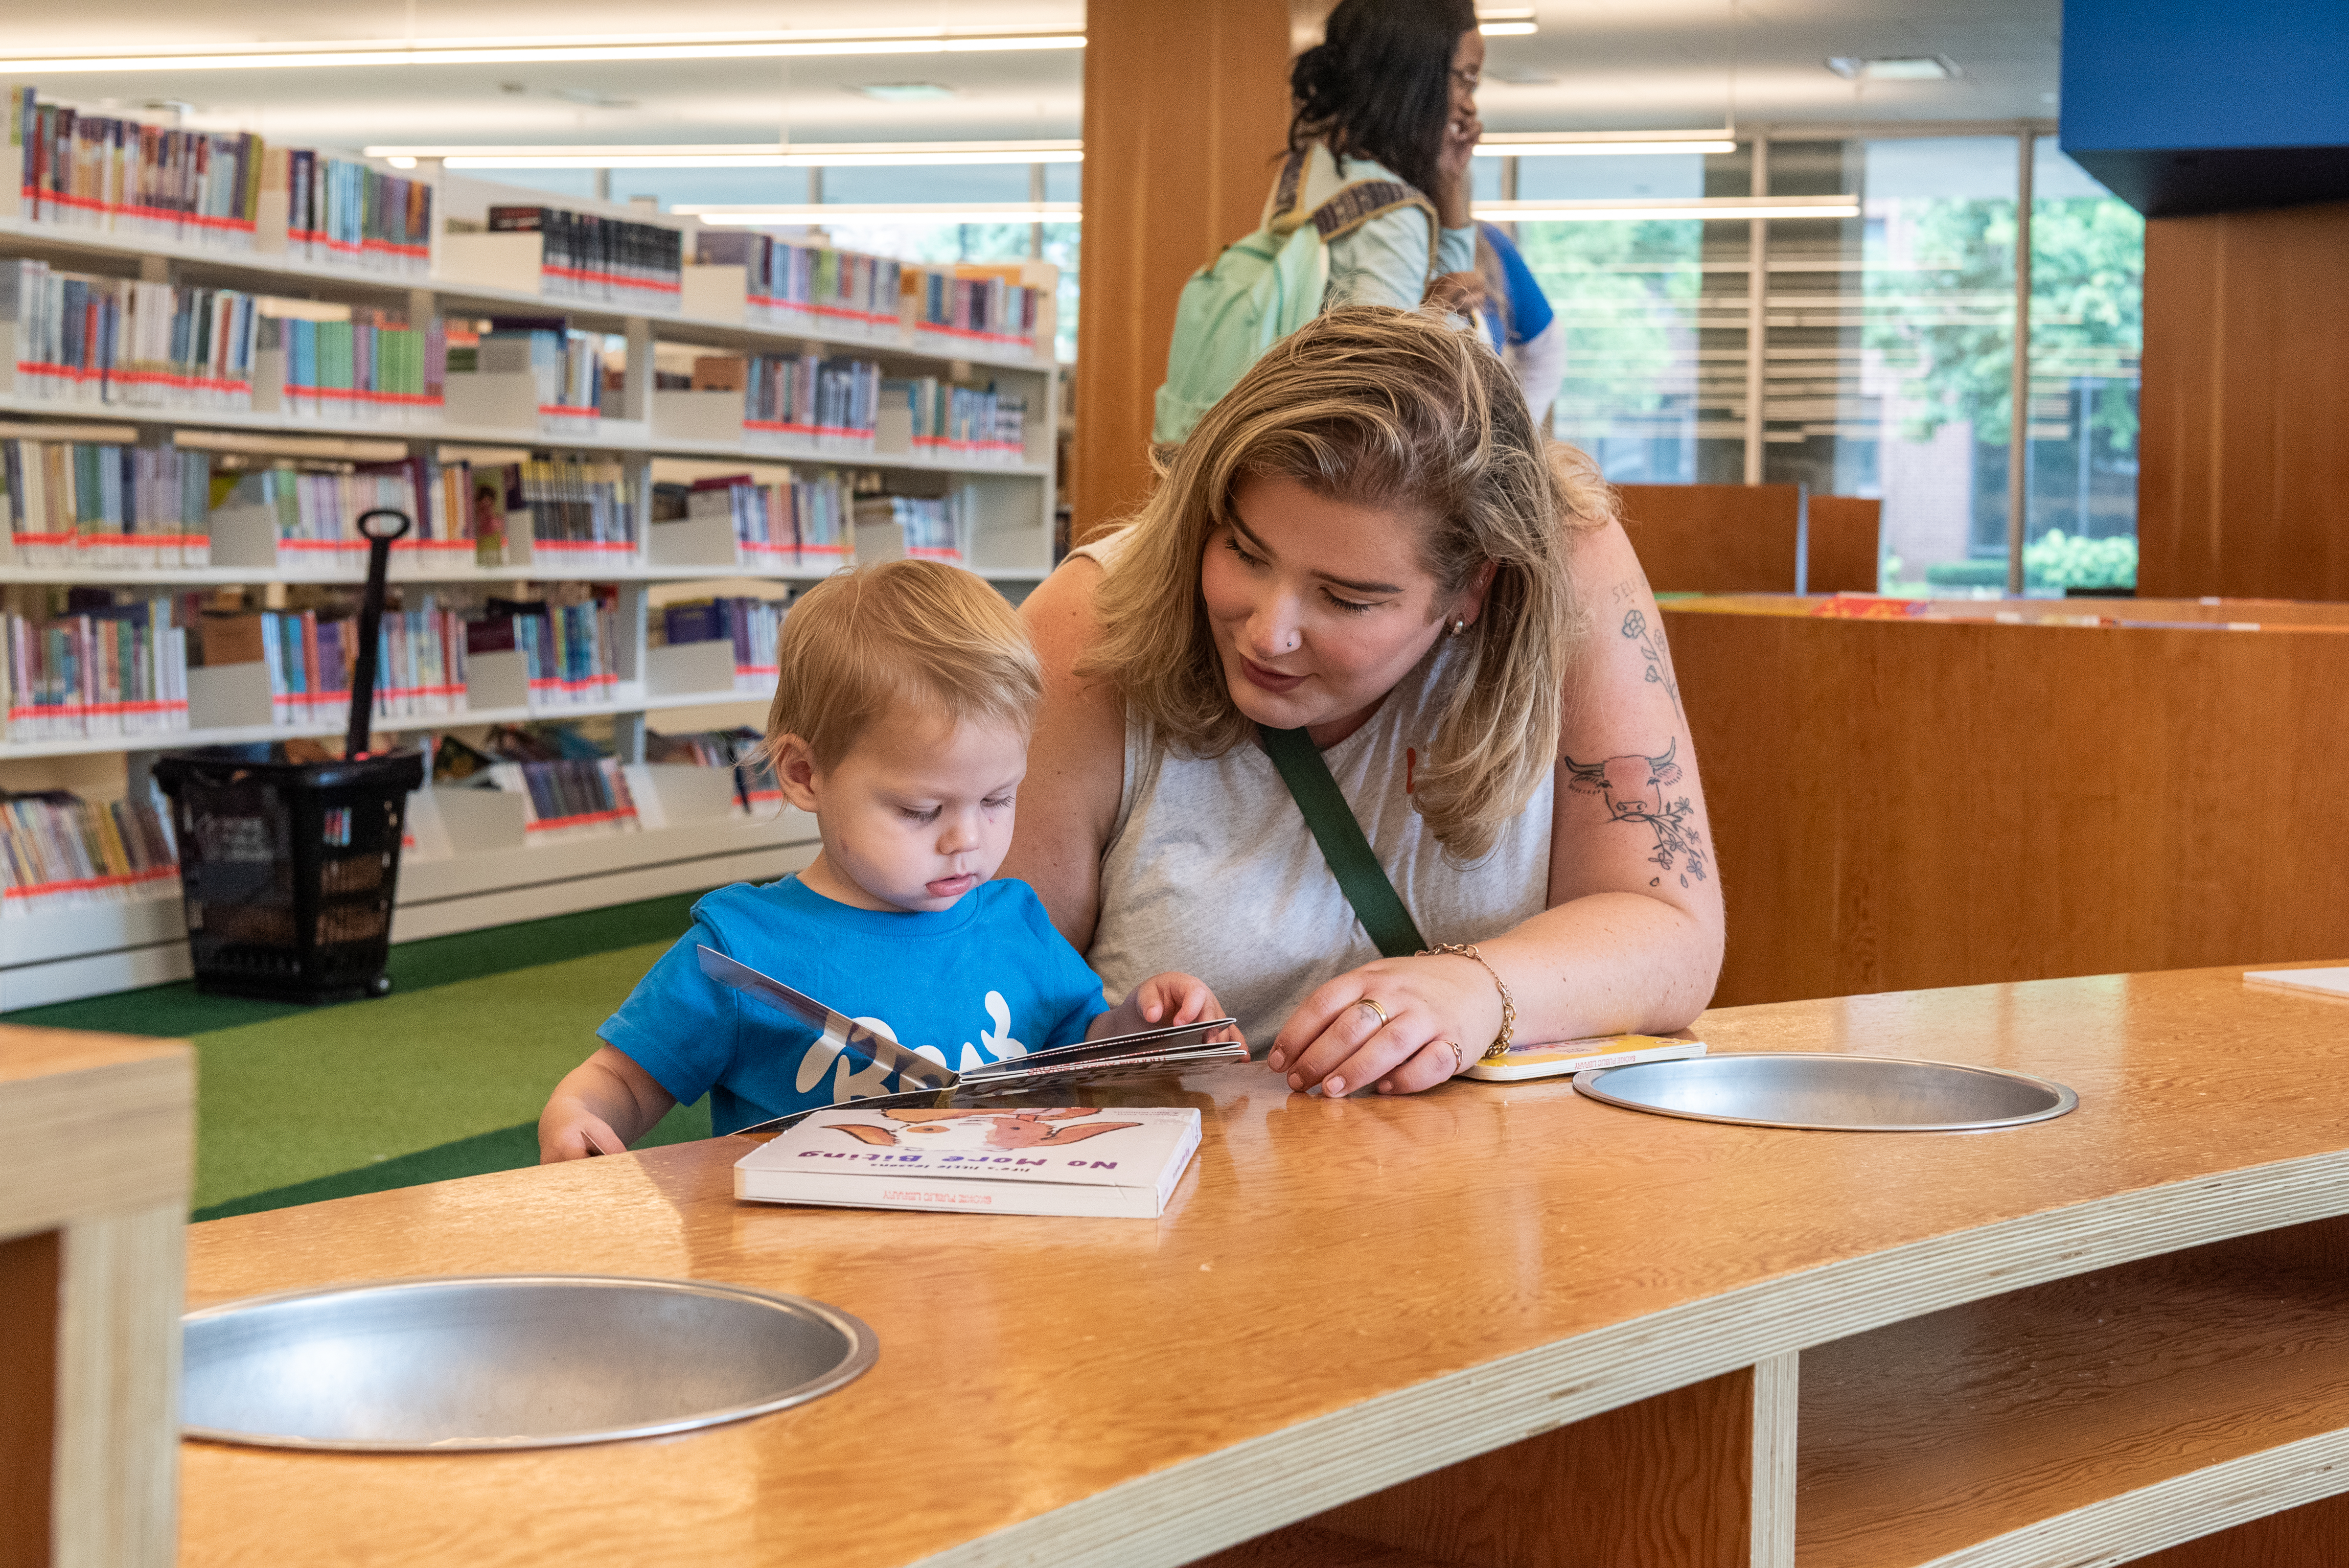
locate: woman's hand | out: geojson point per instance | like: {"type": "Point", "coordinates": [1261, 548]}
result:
{"type": "Point", "coordinates": [1440, 1013]}
{"type": "Point", "coordinates": [1453, 190]}
{"type": "Point", "coordinates": [1460, 292]}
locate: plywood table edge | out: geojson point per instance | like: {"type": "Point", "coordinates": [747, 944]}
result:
{"type": "Point", "coordinates": [2169, 1513]}
{"type": "Point", "coordinates": [1235, 1495]}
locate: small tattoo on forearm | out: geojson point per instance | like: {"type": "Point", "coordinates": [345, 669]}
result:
{"type": "Point", "coordinates": [1659, 661]}
{"type": "Point", "coordinates": [1633, 788]}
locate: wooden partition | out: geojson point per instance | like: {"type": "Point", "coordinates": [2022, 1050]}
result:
{"type": "Point", "coordinates": [1906, 803]}
{"type": "Point", "coordinates": [98, 1131]}
{"type": "Point", "coordinates": [1845, 554]}
{"type": "Point", "coordinates": [1715, 538]}
{"type": "Point", "coordinates": [2245, 455]}
{"type": "Point", "coordinates": [1187, 107]}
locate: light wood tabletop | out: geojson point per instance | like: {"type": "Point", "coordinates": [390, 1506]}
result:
{"type": "Point", "coordinates": [1343, 1297]}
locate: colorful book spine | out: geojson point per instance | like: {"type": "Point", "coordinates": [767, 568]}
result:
{"type": "Point", "coordinates": [121, 341]}
{"type": "Point", "coordinates": [121, 175]}
{"type": "Point", "coordinates": [87, 505]}
{"type": "Point", "coordinates": [57, 850]}
{"type": "Point", "coordinates": [605, 261]}
{"type": "Point", "coordinates": [117, 671]}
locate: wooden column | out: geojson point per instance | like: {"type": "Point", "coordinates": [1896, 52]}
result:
{"type": "Point", "coordinates": [1185, 108]}
{"type": "Point", "coordinates": [2245, 454]}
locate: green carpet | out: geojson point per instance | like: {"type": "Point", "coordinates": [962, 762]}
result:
{"type": "Point", "coordinates": [443, 1077]}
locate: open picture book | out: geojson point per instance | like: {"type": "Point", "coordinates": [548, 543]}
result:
{"type": "Point", "coordinates": [919, 1077]}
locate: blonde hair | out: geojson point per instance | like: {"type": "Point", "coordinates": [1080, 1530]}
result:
{"type": "Point", "coordinates": [901, 633]}
{"type": "Point", "coordinates": [1388, 409]}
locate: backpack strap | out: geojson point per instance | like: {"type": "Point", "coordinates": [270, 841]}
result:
{"type": "Point", "coordinates": [1340, 833]}
{"type": "Point", "coordinates": [1358, 203]}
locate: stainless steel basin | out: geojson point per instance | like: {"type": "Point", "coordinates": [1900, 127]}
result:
{"type": "Point", "coordinates": [1846, 1094]}
{"type": "Point", "coordinates": [506, 1361]}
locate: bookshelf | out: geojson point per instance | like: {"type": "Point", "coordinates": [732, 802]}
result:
{"type": "Point", "coordinates": [1007, 506]}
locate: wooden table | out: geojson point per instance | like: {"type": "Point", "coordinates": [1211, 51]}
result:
{"type": "Point", "coordinates": [2078, 1341]}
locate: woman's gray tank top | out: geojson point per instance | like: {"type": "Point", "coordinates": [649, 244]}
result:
{"type": "Point", "coordinates": [1211, 870]}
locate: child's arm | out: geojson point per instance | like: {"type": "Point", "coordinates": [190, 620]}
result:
{"type": "Point", "coordinates": [1163, 999]}
{"type": "Point", "coordinates": [602, 1106]}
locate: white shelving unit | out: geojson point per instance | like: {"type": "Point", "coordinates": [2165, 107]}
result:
{"type": "Point", "coordinates": [82, 950]}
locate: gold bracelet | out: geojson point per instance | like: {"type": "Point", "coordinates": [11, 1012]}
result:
{"type": "Point", "coordinates": [1500, 1046]}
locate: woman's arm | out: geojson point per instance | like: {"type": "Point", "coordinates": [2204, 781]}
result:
{"type": "Point", "coordinates": [1541, 369]}
{"type": "Point", "coordinates": [1631, 939]}
{"type": "Point", "coordinates": [1076, 762]}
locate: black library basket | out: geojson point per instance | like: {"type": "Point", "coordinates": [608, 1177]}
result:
{"type": "Point", "coordinates": [288, 870]}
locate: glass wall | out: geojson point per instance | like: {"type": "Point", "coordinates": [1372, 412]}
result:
{"type": "Point", "coordinates": [1889, 346]}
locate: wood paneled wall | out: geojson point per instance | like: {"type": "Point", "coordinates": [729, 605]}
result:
{"type": "Point", "coordinates": [1715, 538]}
{"type": "Point", "coordinates": [2243, 488]}
{"type": "Point", "coordinates": [1185, 109]}
{"type": "Point", "coordinates": [1899, 805]}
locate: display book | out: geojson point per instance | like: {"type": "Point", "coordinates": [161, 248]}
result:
{"type": "Point", "coordinates": [1564, 1058]}
{"type": "Point", "coordinates": [909, 1146]}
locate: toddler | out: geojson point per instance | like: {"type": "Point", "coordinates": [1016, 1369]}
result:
{"type": "Point", "coordinates": [903, 697]}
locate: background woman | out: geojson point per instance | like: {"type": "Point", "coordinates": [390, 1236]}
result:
{"type": "Point", "coordinates": [1390, 94]}
{"type": "Point", "coordinates": [1368, 540]}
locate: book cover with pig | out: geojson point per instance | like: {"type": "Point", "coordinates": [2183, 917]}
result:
{"type": "Point", "coordinates": [1065, 1160]}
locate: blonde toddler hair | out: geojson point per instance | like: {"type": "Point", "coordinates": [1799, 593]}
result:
{"type": "Point", "coordinates": [1387, 408]}
{"type": "Point", "coordinates": [903, 634]}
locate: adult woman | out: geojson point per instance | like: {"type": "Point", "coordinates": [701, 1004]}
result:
{"type": "Point", "coordinates": [1367, 539]}
{"type": "Point", "coordinates": [1390, 95]}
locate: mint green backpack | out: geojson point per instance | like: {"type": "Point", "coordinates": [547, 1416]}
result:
{"type": "Point", "coordinates": [1261, 289]}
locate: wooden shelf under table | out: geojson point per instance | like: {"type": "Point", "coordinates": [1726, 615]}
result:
{"type": "Point", "coordinates": [2091, 1419]}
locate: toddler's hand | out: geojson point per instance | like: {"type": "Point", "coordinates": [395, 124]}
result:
{"type": "Point", "coordinates": [1163, 999]}
{"type": "Point", "coordinates": [575, 1136]}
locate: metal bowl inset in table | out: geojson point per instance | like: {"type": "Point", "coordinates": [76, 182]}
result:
{"type": "Point", "coordinates": [1830, 1093]}
{"type": "Point", "coordinates": [506, 1361]}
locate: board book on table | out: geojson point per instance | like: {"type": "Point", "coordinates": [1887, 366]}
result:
{"type": "Point", "coordinates": [2316, 982]}
{"type": "Point", "coordinates": [1561, 1058]}
{"type": "Point", "coordinates": [1065, 1160]}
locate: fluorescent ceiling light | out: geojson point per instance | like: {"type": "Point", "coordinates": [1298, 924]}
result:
{"type": "Point", "coordinates": [524, 50]}
{"type": "Point", "coordinates": [1895, 68]}
{"type": "Point", "coordinates": [1719, 209]}
{"type": "Point", "coordinates": [741, 155]}
{"type": "Point", "coordinates": [904, 92]}
{"type": "Point", "coordinates": [1597, 149]}
{"type": "Point", "coordinates": [806, 214]}
{"type": "Point", "coordinates": [1507, 29]}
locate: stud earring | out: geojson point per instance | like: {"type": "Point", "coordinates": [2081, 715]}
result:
{"type": "Point", "coordinates": [1459, 625]}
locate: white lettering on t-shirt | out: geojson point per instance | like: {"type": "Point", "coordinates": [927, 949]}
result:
{"type": "Point", "coordinates": [818, 1058]}
{"type": "Point", "coordinates": [995, 1045]}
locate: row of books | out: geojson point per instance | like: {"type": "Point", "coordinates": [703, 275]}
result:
{"type": "Point", "coordinates": [833, 405]}
{"type": "Point", "coordinates": [796, 284]}
{"type": "Point", "coordinates": [570, 796]}
{"type": "Point", "coordinates": [640, 266]}
{"type": "Point", "coordinates": [373, 367]}
{"type": "Point", "coordinates": [312, 660]}
{"type": "Point", "coordinates": [751, 625]}
{"type": "Point", "coordinates": [576, 510]}
{"type": "Point", "coordinates": [104, 172]}
{"type": "Point", "coordinates": [119, 341]}
{"type": "Point", "coordinates": [579, 509]}
{"type": "Point", "coordinates": [73, 504]}
{"type": "Point", "coordinates": [568, 364]}
{"type": "Point", "coordinates": [314, 513]}
{"type": "Point", "coordinates": [112, 669]}
{"type": "Point", "coordinates": [988, 310]}
{"type": "Point", "coordinates": [755, 789]}
{"type": "Point", "coordinates": [977, 424]}
{"type": "Point", "coordinates": [572, 651]}
{"type": "Point", "coordinates": [800, 521]}
{"type": "Point", "coordinates": [346, 213]}
{"type": "Point", "coordinates": [58, 850]}
{"type": "Point", "coordinates": [935, 528]}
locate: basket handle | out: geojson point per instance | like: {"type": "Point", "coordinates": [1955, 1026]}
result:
{"type": "Point", "coordinates": [363, 674]}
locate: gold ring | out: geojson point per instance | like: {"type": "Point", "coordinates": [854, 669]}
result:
{"type": "Point", "coordinates": [1459, 1059]}
{"type": "Point", "coordinates": [1374, 1007]}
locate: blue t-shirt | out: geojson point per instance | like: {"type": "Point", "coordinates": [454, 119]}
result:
{"type": "Point", "coordinates": [1529, 312]}
{"type": "Point", "coordinates": [986, 980]}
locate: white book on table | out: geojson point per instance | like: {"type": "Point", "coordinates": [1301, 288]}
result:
{"type": "Point", "coordinates": [1069, 1159]}
{"type": "Point", "coordinates": [2320, 982]}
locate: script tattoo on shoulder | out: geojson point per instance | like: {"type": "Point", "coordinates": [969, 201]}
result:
{"type": "Point", "coordinates": [1658, 659]}
{"type": "Point", "coordinates": [1633, 787]}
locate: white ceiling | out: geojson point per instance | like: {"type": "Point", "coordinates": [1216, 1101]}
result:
{"type": "Point", "coordinates": [1595, 65]}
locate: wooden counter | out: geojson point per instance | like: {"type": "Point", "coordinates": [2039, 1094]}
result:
{"type": "Point", "coordinates": [1709, 1344]}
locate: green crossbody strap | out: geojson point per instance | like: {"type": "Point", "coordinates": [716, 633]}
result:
{"type": "Point", "coordinates": [1351, 860]}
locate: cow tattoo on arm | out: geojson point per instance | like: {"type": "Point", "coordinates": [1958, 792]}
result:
{"type": "Point", "coordinates": [1633, 787]}
{"type": "Point", "coordinates": [1637, 631]}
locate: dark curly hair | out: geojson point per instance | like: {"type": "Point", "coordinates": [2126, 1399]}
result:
{"type": "Point", "coordinates": [1379, 85]}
